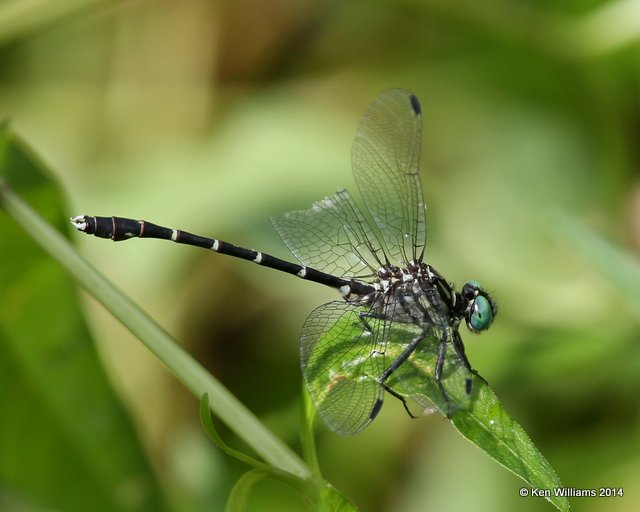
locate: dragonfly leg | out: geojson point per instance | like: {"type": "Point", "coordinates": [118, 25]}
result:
{"type": "Point", "coordinates": [442, 352]}
{"type": "Point", "coordinates": [399, 397]}
{"type": "Point", "coordinates": [363, 315]}
{"type": "Point", "coordinates": [459, 346]}
{"type": "Point", "coordinates": [395, 365]}
{"type": "Point", "coordinates": [376, 316]}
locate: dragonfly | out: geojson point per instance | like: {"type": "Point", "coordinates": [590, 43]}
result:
{"type": "Point", "coordinates": [396, 327]}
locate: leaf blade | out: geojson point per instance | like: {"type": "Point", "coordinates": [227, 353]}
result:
{"type": "Point", "coordinates": [486, 424]}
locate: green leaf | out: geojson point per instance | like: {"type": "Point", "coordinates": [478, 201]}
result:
{"type": "Point", "coordinates": [332, 501]}
{"type": "Point", "coordinates": [207, 424]}
{"type": "Point", "coordinates": [66, 442]}
{"type": "Point", "coordinates": [239, 496]}
{"type": "Point", "coordinates": [328, 499]}
{"type": "Point", "coordinates": [479, 417]}
{"type": "Point", "coordinates": [307, 488]}
{"type": "Point", "coordinates": [487, 425]}
{"type": "Point", "coordinates": [314, 490]}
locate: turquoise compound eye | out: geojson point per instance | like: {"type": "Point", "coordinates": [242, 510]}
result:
{"type": "Point", "coordinates": [482, 315]}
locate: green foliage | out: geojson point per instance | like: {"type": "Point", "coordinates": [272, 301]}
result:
{"type": "Point", "coordinates": [52, 362]}
{"type": "Point", "coordinates": [487, 425]}
{"type": "Point", "coordinates": [479, 417]}
{"type": "Point", "coordinates": [314, 489]}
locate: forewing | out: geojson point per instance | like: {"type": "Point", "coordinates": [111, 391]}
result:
{"type": "Point", "coordinates": [342, 356]}
{"type": "Point", "coordinates": [385, 158]}
{"type": "Point", "coordinates": [333, 237]}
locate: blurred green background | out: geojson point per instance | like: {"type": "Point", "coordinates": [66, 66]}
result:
{"type": "Point", "coordinates": [214, 116]}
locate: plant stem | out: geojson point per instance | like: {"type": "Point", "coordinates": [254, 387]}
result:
{"type": "Point", "coordinates": [194, 376]}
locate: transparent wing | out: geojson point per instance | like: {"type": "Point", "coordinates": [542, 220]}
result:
{"type": "Point", "coordinates": [342, 352]}
{"type": "Point", "coordinates": [333, 237]}
{"type": "Point", "coordinates": [385, 157]}
{"type": "Point", "coordinates": [345, 348]}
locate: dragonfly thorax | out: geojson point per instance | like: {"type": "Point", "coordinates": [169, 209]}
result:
{"type": "Point", "coordinates": [416, 278]}
{"type": "Point", "coordinates": [390, 275]}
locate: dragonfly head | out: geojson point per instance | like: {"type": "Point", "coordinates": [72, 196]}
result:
{"type": "Point", "coordinates": [481, 309]}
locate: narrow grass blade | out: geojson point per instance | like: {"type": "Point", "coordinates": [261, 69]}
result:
{"type": "Point", "coordinates": [184, 367]}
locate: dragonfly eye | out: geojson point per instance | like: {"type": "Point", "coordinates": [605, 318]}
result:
{"type": "Point", "coordinates": [480, 314]}
{"type": "Point", "coordinates": [481, 308]}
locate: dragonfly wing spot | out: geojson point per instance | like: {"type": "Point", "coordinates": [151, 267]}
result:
{"type": "Point", "coordinates": [376, 409]}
